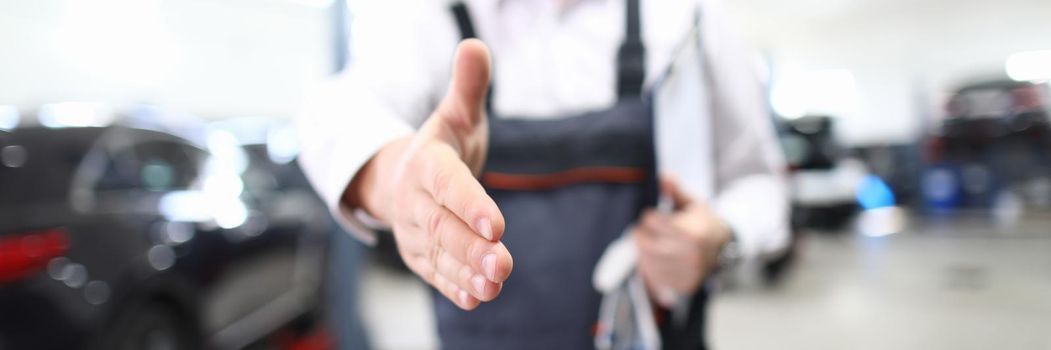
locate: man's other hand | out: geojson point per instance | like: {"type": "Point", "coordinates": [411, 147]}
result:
{"type": "Point", "coordinates": [425, 187]}
{"type": "Point", "coordinates": [678, 250]}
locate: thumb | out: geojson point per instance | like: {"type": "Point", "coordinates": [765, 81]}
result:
{"type": "Point", "coordinates": [670, 187]}
{"type": "Point", "coordinates": [464, 103]}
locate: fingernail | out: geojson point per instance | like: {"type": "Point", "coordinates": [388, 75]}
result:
{"type": "Point", "coordinates": [463, 297]}
{"type": "Point", "coordinates": [479, 284]}
{"type": "Point", "coordinates": [489, 264]}
{"type": "Point", "coordinates": [485, 228]}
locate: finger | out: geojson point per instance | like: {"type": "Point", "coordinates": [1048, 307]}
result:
{"type": "Point", "coordinates": [454, 293]}
{"type": "Point", "coordinates": [465, 277]}
{"type": "Point", "coordinates": [657, 223]}
{"type": "Point", "coordinates": [658, 279]}
{"type": "Point", "coordinates": [464, 104]}
{"type": "Point", "coordinates": [653, 244]}
{"type": "Point", "coordinates": [490, 259]}
{"type": "Point", "coordinates": [657, 271]}
{"type": "Point", "coordinates": [415, 247]}
{"type": "Point", "coordinates": [427, 262]}
{"type": "Point", "coordinates": [671, 188]}
{"type": "Point", "coordinates": [662, 277]}
{"type": "Point", "coordinates": [660, 266]}
{"type": "Point", "coordinates": [452, 185]}
{"type": "Point", "coordinates": [666, 227]}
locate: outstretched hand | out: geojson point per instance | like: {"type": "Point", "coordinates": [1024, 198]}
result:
{"type": "Point", "coordinates": [425, 187]}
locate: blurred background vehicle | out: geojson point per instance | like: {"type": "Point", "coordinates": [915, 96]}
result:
{"type": "Point", "coordinates": [994, 144]}
{"type": "Point", "coordinates": [126, 238]}
{"type": "Point", "coordinates": [272, 147]}
{"type": "Point", "coordinates": [824, 178]}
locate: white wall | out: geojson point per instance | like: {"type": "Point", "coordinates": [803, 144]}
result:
{"type": "Point", "coordinates": [221, 58]}
{"type": "Point", "coordinates": [214, 58]}
{"type": "Point", "coordinates": [905, 54]}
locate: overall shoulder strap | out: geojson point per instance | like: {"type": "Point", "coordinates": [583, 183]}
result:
{"type": "Point", "coordinates": [631, 58]}
{"type": "Point", "coordinates": [463, 20]}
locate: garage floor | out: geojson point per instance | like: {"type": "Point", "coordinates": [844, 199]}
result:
{"type": "Point", "coordinates": [949, 283]}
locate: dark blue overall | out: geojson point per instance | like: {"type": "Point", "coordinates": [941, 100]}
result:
{"type": "Point", "coordinates": [567, 187]}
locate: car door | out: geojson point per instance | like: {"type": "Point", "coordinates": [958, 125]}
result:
{"type": "Point", "coordinates": [126, 232]}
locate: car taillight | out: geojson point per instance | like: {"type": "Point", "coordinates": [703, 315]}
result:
{"type": "Point", "coordinates": [1028, 98]}
{"type": "Point", "coordinates": [23, 254]}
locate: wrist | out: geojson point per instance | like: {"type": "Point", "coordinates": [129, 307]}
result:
{"type": "Point", "coordinates": [729, 252]}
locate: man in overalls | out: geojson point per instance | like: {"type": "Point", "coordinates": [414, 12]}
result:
{"type": "Point", "coordinates": [552, 162]}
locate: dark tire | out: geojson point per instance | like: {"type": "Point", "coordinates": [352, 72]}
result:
{"type": "Point", "coordinates": [149, 326]}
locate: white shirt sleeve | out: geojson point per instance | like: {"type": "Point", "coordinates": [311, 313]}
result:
{"type": "Point", "coordinates": [751, 190]}
{"type": "Point", "coordinates": [401, 51]}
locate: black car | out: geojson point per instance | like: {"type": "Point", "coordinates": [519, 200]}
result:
{"type": "Point", "coordinates": [995, 137]}
{"type": "Point", "coordinates": [123, 238]}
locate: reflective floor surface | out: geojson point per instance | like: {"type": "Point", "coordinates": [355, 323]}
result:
{"type": "Point", "coordinates": [967, 282]}
{"type": "Point", "coordinates": [948, 283]}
